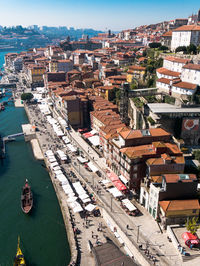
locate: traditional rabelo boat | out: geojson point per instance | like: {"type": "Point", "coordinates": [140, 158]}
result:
{"type": "Point", "coordinates": [19, 258]}
{"type": "Point", "coordinates": [26, 198]}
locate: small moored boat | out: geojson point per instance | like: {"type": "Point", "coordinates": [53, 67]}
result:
{"type": "Point", "coordinates": [19, 258]}
{"type": "Point", "coordinates": [26, 198]}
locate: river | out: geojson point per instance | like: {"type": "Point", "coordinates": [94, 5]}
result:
{"type": "Point", "coordinates": [42, 234]}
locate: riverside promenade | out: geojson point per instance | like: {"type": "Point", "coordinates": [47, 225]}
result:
{"type": "Point", "coordinates": [80, 252]}
{"type": "Point", "coordinates": [145, 231]}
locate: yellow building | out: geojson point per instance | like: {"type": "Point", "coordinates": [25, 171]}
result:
{"type": "Point", "coordinates": [177, 211]}
{"type": "Point", "coordinates": [106, 92]}
{"type": "Point", "coordinates": [53, 66]}
{"type": "Point", "coordinates": [35, 74]}
{"type": "Point", "coordinates": [135, 72]}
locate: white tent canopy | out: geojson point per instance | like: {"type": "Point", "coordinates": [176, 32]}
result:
{"type": "Point", "coordinates": [65, 139]}
{"type": "Point", "coordinates": [52, 165]}
{"type": "Point", "coordinates": [72, 199]}
{"type": "Point", "coordinates": [115, 192]}
{"type": "Point", "coordinates": [86, 200]}
{"type": "Point", "coordinates": [129, 205]}
{"type": "Point", "coordinates": [71, 147]}
{"type": "Point", "coordinates": [82, 160]}
{"type": "Point", "coordinates": [49, 152]}
{"type": "Point", "coordinates": [94, 140]}
{"type": "Point", "coordinates": [90, 207]}
{"type": "Point", "coordinates": [83, 196]}
{"type": "Point", "coordinates": [58, 172]}
{"type": "Point", "coordinates": [123, 179]}
{"type": "Point", "coordinates": [93, 167]}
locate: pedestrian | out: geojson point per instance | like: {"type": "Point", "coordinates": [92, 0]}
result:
{"type": "Point", "coordinates": [127, 226]}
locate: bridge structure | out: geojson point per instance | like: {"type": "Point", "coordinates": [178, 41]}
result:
{"type": "Point", "coordinates": [12, 137]}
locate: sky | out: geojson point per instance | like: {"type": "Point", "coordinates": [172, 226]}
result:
{"type": "Point", "coordinates": [97, 14]}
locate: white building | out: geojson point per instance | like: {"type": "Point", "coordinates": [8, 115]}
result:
{"type": "Point", "coordinates": [174, 63]}
{"type": "Point", "coordinates": [191, 73]}
{"type": "Point", "coordinates": [178, 77]}
{"type": "Point", "coordinates": [185, 35]}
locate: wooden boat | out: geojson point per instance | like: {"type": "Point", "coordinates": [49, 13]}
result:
{"type": "Point", "coordinates": [19, 258]}
{"type": "Point", "coordinates": [26, 198]}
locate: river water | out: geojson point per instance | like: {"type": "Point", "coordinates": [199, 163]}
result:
{"type": "Point", "coordinates": [42, 234]}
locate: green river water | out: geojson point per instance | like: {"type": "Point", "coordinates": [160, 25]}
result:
{"type": "Point", "coordinates": [42, 233]}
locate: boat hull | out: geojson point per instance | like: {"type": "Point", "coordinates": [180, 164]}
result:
{"type": "Point", "coordinates": [26, 198]}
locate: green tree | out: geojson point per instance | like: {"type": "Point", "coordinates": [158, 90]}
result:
{"type": "Point", "coordinates": [191, 225]}
{"type": "Point", "coordinates": [192, 49]}
{"type": "Point", "coordinates": [155, 45]}
{"type": "Point", "coordinates": [26, 96]}
{"type": "Point", "coordinates": [163, 48]}
{"type": "Point", "coordinates": [197, 155]}
{"type": "Point", "coordinates": [181, 49]}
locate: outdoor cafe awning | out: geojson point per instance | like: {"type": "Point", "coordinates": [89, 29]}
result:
{"type": "Point", "coordinates": [115, 192]}
{"type": "Point", "coordinates": [94, 140]}
{"type": "Point", "coordinates": [93, 167]}
{"type": "Point", "coordinates": [90, 207]}
{"type": "Point", "coordinates": [119, 185]}
{"type": "Point", "coordinates": [129, 205]}
{"type": "Point", "coordinates": [87, 135]}
{"type": "Point", "coordinates": [112, 176]}
{"type": "Point", "coordinates": [123, 179]}
{"type": "Point", "coordinates": [81, 159]}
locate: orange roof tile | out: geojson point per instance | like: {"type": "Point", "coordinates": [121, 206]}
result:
{"type": "Point", "coordinates": [179, 205]}
{"type": "Point", "coordinates": [167, 72]}
{"type": "Point", "coordinates": [188, 28]}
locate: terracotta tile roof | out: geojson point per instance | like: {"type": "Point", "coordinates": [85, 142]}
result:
{"type": "Point", "coordinates": [179, 205]}
{"type": "Point", "coordinates": [174, 178]}
{"type": "Point", "coordinates": [192, 66]}
{"type": "Point", "coordinates": [161, 161]}
{"type": "Point", "coordinates": [177, 59]}
{"type": "Point", "coordinates": [188, 28]}
{"type": "Point", "coordinates": [156, 179]}
{"type": "Point", "coordinates": [164, 80]}
{"type": "Point", "coordinates": [185, 85]}
{"type": "Point", "coordinates": [138, 151]}
{"type": "Point", "coordinates": [137, 68]}
{"type": "Point", "coordinates": [167, 34]}
{"type": "Point", "coordinates": [131, 134]}
{"type": "Point", "coordinates": [167, 72]}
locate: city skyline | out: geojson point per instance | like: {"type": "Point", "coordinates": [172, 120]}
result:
{"type": "Point", "coordinates": [99, 15]}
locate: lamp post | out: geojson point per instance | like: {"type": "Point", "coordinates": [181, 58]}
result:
{"type": "Point", "coordinates": [111, 198]}
{"type": "Point", "coordinates": [138, 231]}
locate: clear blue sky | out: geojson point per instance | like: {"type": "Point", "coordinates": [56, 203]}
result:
{"type": "Point", "coordinates": [96, 14]}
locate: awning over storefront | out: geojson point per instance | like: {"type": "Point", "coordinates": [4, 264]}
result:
{"type": "Point", "coordinates": [119, 185]}
{"type": "Point", "coordinates": [94, 140]}
{"type": "Point", "coordinates": [112, 176]}
{"type": "Point", "coordinates": [123, 179]}
{"type": "Point", "coordinates": [87, 135]}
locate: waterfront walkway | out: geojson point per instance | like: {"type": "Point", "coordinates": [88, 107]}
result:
{"type": "Point", "coordinates": [143, 228]}
{"type": "Point", "coordinates": [48, 140]}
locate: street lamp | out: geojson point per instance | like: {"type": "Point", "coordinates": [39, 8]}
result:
{"type": "Point", "coordinates": [111, 198]}
{"type": "Point", "coordinates": [138, 231]}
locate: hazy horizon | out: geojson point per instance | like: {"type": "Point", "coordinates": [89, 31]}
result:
{"type": "Point", "coordinates": [99, 15]}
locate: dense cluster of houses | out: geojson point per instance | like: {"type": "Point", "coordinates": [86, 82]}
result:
{"type": "Point", "coordinates": [81, 84]}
